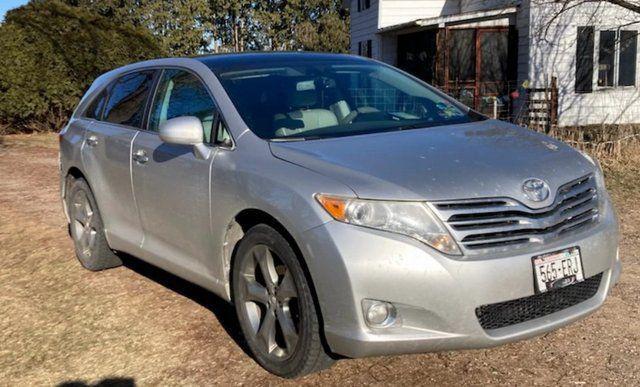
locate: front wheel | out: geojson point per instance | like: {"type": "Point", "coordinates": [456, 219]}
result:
{"type": "Point", "coordinates": [275, 306]}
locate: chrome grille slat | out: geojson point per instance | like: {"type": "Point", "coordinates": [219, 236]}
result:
{"type": "Point", "coordinates": [447, 213]}
{"type": "Point", "coordinates": [515, 223]}
{"type": "Point", "coordinates": [483, 224]}
{"type": "Point", "coordinates": [530, 232]}
{"type": "Point", "coordinates": [583, 196]}
{"type": "Point", "coordinates": [582, 203]}
{"type": "Point", "coordinates": [498, 222]}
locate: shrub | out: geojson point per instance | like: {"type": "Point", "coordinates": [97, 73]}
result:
{"type": "Point", "coordinates": [50, 55]}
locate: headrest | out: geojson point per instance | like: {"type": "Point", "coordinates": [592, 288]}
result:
{"type": "Point", "coordinates": [304, 93]}
{"type": "Point", "coordinates": [303, 99]}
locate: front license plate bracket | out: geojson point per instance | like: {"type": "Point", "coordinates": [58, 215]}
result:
{"type": "Point", "coordinates": [557, 269]}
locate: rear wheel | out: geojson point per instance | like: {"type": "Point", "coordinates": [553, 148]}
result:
{"type": "Point", "coordinates": [275, 306]}
{"type": "Point", "coordinates": [86, 228]}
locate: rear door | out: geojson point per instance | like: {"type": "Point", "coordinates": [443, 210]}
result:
{"type": "Point", "coordinates": [173, 187]}
{"type": "Point", "coordinates": [106, 155]}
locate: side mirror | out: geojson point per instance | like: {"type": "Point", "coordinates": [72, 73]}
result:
{"type": "Point", "coordinates": [185, 130]}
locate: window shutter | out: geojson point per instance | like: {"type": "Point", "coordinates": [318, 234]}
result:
{"type": "Point", "coordinates": [584, 60]}
{"type": "Point", "coordinates": [628, 55]}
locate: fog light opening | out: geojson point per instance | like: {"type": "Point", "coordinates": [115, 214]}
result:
{"type": "Point", "coordinates": [379, 314]}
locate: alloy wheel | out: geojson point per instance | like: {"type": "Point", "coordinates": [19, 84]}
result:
{"type": "Point", "coordinates": [84, 233]}
{"type": "Point", "coordinates": [269, 300]}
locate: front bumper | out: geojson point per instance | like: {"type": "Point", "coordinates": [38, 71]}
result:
{"type": "Point", "coordinates": [436, 296]}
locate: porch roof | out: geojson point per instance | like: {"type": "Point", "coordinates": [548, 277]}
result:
{"type": "Point", "coordinates": [442, 21]}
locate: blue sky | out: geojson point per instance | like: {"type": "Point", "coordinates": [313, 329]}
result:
{"type": "Point", "coordinates": [6, 5]}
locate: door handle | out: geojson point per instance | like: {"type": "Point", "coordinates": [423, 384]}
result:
{"type": "Point", "coordinates": [140, 156]}
{"type": "Point", "coordinates": [92, 141]}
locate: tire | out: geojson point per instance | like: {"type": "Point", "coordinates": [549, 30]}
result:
{"type": "Point", "coordinates": [271, 294]}
{"type": "Point", "coordinates": [86, 228]}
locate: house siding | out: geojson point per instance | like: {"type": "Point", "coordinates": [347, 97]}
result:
{"type": "Point", "coordinates": [364, 26]}
{"type": "Point", "coordinates": [482, 5]}
{"type": "Point", "coordinates": [522, 25]}
{"type": "Point", "coordinates": [553, 54]}
{"type": "Point", "coordinates": [394, 12]}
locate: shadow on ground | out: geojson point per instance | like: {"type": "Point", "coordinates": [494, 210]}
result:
{"type": "Point", "coordinates": [224, 312]}
{"type": "Point", "coordinates": [108, 382]}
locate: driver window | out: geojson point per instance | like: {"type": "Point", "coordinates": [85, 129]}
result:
{"type": "Point", "coordinates": [179, 94]}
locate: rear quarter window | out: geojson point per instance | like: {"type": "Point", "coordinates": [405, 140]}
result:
{"type": "Point", "coordinates": [94, 110]}
{"type": "Point", "coordinates": [128, 99]}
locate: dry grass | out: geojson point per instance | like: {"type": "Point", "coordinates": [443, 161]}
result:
{"type": "Point", "coordinates": [61, 323]}
{"type": "Point", "coordinates": [607, 142]}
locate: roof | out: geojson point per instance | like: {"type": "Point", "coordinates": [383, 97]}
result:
{"type": "Point", "coordinates": [442, 21]}
{"type": "Point", "coordinates": [251, 57]}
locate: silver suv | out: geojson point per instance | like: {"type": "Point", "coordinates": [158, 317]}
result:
{"type": "Point", "coordinates": [343, 206]}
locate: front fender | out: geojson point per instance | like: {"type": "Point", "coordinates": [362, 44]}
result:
{"type": "Point", "coordinates": [249, 177]}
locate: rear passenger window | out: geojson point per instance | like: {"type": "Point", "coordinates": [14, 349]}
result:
{"type": "Point", "coordinates": [180, 94]}
{"type": "Point", "coordinates": [128, 99]}
{"type": "Point", "coordinates": [95, 109]}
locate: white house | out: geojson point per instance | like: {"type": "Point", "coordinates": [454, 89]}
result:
{"type": "Point", "coordinates": [503, 52]}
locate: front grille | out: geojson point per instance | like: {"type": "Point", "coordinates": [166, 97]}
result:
{"type": "Point", "coordinates": [512, 312]}
{"type": "Point", "coordinates": [492, 223]}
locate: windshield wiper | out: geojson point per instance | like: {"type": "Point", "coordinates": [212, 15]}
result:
{"type": "Point", "coordinates": [414, 126]}
{"type": "Point", "coordinates": [287, 139]}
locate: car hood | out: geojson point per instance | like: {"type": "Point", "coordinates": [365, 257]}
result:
{"type": "Point", "coordinates": [476, 160]}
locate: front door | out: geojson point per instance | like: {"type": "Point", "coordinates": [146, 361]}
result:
{"type": "Point", "coordinates": [480, 67]}
{"type": "Point", "coordinates": [173, 187]}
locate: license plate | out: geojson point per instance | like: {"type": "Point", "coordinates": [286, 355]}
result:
{"type": "Point", "coordinates": [558, 269]}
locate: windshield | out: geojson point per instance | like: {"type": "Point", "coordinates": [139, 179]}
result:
{"type": "Point", "coordinates": [319, 99]}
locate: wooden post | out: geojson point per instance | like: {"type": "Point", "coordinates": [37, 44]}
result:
{"type": "Point", "coordinates": [553, 111]}
{"type": "Point", "coordinates": [441, 71]}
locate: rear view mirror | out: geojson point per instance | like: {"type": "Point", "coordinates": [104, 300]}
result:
{"type": "Point", "coordinates": [185, 130]}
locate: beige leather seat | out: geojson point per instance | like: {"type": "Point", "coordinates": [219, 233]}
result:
{"type": "Point", "coordinates": [304, 118]}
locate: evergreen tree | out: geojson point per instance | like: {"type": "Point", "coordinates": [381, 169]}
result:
{"type": "Point", "coordinates": [181, 25]}
{"type": "Point", "coordinates": [50, 55]}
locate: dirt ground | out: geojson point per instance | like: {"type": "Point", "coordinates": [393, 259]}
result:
{"type": "Point", "coordinates": [138, 325]}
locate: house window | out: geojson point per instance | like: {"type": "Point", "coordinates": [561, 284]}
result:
{"type": "Point", "coordinates": [461, 48]}
{"type": "Point", "coordinates": [617, 58]}
{"type": "Point", "coordinates": [616, 62]}
{"type": "Point", "coordinates": [606, 58]}
{"type": "Point", "coordinates": [364, 48]}
{"type": "Point", "coordinates": [364, 4]}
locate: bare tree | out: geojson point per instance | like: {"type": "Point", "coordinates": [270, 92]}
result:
{"type": "Point", "coordinates": [632, 5]}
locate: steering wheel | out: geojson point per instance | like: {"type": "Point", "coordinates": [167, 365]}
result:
{"type": "Point", "coordinates": [374, 115]}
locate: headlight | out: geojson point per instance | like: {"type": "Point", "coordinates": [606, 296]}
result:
{"type": "Point", "coordinates": [602, 190]}
{"type": "Point", "coordinates": [413, 219]}
{"type": "Point", "coordinates": [599, 173]}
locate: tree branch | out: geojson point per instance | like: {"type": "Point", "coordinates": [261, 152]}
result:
{"type": "Point", "coordinates": [630, 5]}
